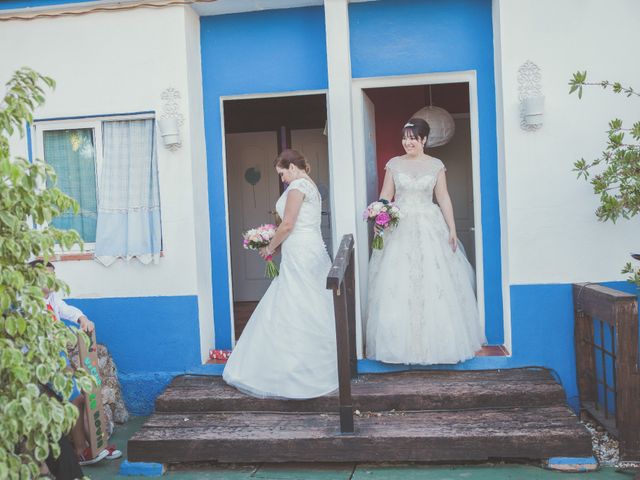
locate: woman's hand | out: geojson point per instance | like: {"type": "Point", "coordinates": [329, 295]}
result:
{"type": "Point", "coordinates": [378, 229]}
{"type": "Point", "coordinates": [265, 252]}
{"type": "Point", "coordinates": [453, 241]}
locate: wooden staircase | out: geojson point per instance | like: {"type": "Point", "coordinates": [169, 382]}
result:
{"type": "Point", "coordinates": [432, 415]}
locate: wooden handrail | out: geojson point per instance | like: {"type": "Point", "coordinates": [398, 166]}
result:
{"type": "Point", "coordinates": [341, 280]}
{"type": "Point", "coordinates": [619, 312]}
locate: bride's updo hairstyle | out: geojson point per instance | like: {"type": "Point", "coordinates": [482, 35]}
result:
{"type": "Point", "coordinates": [417, 128]}
{"type": "Point", "coordinates": [290, 156]}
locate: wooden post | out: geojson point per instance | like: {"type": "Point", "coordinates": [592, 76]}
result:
{"type": "Point", "coordinates": [342, 283]}
{"type": "Point", "coordinates": [344, 371]}
{"type": "Point", "coordinates": [628, 380]}
{"type": "Point", "coordinates": [583, 336]}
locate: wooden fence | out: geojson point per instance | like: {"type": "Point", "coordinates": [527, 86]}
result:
{"type": "Point", "coordinates": [607, 362]}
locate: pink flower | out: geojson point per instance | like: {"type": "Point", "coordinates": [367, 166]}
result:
{"type": "Point", "coordinates": [383, 218]}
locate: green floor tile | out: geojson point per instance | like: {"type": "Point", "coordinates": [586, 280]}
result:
{"type": "Point", "coordinates": [477, 472]}
{"type": "Point", "coordinates": [305, 471]}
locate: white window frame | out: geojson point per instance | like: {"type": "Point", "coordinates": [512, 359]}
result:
{"type": "Point", "coordinates": [77, 123]}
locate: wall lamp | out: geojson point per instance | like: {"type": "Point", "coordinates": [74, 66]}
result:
{"type": "Point", "coordinates": [169, 131]}
{"type": "Point", "coordinates": [530, 96]}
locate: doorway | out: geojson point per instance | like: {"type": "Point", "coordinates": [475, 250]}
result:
{"type": "Point", "coordinates": [256, 131]}
{"type": "Point", "coordinates": [393, 106]}
{"type": "Point", "coordinates": [382, 106]}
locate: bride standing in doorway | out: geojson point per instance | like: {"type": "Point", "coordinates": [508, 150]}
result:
{"type": "Point", "coordinates": [422, 307]}
{"type": "Point", "coordinates": [288, 348]}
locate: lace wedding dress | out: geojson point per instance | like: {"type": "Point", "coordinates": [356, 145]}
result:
{"type": "Point", "coordinates": [422, 307]}
{"type": "Point", "coordinates": [288, 348]}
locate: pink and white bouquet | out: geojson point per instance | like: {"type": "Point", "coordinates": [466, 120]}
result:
{"type": "Point", "coordinates": [383, 214]}
{"type": "Point", "coordinates": [255, 239]}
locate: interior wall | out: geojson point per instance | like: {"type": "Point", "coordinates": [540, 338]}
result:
{"type": "Point", "coordinates": [395, 105]}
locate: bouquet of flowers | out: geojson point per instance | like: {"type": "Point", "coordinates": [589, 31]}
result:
{"type": "Point", "coordinates": [255, 239]}
{"type": "Point", "coordinates": [384, 214]}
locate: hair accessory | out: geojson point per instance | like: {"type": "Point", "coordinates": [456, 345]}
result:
{"type": "Point", "coordinates": [408, 125]}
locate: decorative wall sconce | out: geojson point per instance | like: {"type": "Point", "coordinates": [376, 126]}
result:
{"type": "Point", "coordinates": [171, 119]}
{"type": "Point", "coordinates": [530, 96]}
{"type": "Point", "coordinates": [169, 132]}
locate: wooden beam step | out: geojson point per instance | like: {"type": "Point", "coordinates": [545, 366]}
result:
{"type": "Point", "coordinates": [533, 433]}
{"type": "Point", "coordinates": [417, 390]}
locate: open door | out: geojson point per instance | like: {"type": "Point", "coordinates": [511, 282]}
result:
{"type": "Point", "coordinates": [370, 155]}
{"type": "Point", "coordinates": [253, 190]}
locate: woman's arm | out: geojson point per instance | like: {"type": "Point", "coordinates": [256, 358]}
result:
{"type": "Point", "coordinates": [291, 211]}
{"type": "Point", "coordinates": [386, 193]}
{"type": "Point", "coordinates": [444, 201]}
{"type": "Point", "coordinates": [388, 187]}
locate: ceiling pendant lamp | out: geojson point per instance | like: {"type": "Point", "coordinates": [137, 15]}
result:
{"type": "Point", "coordinates": [441, 123]}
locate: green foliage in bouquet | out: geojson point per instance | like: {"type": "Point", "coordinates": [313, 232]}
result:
{"type": "Point", "coordinates": [615, 175]}
{"type": "Point", "coordinates": [31, 421]}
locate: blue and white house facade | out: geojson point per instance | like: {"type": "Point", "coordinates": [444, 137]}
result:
{"type": "Point", "coordinates": [534, 228]}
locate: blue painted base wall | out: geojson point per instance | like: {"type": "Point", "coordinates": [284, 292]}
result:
{"type": "Point", "coordinates": [151, 339]}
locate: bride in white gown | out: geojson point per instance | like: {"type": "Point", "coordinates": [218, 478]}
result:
{"type": "Point", "coordinates": [422, 307]}
{"type": "Point", "coordinates": [288, 348]}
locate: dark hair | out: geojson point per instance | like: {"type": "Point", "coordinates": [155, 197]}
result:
{"type": "Point", "coordinates": [417, 128]}
{"type": "Point", "coordinates": [39, 261]}
{"type": "Point", "coordinates": [290, 156]}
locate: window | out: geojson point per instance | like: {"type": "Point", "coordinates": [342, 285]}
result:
{"type": "Point", "coordinates": [108, 165]}
{"type": "Point", "coordinates": [72, 153]}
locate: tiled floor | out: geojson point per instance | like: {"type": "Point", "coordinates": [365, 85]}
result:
{"type": "Point", "coordinates": [107, 470]}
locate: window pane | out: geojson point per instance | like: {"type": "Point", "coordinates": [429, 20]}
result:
{"type": "Point", "coordinates": [72, 154]}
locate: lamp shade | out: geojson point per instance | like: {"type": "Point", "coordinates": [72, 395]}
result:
{"type": "Point", "coordinates": [441, 125]}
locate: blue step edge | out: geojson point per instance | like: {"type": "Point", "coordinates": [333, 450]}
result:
{"type": "Point", "coordinates": [572, 464]}
{"type": "Point", "coordinates": [128, 469]}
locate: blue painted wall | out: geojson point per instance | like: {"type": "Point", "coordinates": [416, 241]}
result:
{"type": "Point", "coordinates": [402, 37]}
{"type": "Point", "coordinates": [151, 339]}
{"type": "Point", "coordinates": [261, 52]}
{"type": "Point", "coordinates": [542, 328]}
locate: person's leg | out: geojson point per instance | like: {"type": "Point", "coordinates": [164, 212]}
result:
{"type": "Point", "coordinates": [66, 466]}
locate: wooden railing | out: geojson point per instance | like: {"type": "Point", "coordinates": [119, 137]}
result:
{"type": "Point", "coordinates": [341, 280]}
{"type": "Point", "coordinates": [607, 362]}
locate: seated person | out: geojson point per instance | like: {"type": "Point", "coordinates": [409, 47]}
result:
{"type": "Point", "coordinates": [74, 318]}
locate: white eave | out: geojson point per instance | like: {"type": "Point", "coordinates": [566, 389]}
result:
{"type": "Point", "coordinates": [203, 8]}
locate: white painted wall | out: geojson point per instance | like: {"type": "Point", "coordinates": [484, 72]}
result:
{"type": "Point", "coordinates": [107, 63]}
{"type": "Point", "coordinates": [553, 235]}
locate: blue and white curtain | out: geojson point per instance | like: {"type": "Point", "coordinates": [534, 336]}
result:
{"type": "Point", "coordinates": [128, 197]}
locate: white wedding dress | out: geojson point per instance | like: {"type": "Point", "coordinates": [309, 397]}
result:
{"type": "Point", "coordinates": [422, 307]}
{"type": "Point", "coordinates": [288, 348]}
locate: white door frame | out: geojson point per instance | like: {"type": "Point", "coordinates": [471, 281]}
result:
{"type": "Point", "coordinates": [359, 84]}
{"type": "Point", "coordinates": [248, 96]}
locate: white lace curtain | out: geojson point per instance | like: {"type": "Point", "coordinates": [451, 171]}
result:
{"type": "Point", "coordinates": [128, 197]}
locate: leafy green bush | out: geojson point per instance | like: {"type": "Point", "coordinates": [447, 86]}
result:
{"type": "Point", "coordinates": [31, 422]}
{"type": "Point", "coordinates": [615, 175]}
